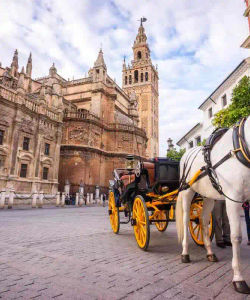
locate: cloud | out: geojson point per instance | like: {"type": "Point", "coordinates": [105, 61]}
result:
{"type": "Point", "coordinates": [194, 43]}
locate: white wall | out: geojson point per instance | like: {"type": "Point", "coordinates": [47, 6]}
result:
{"type": "Point", "coordinates": [206, 127]}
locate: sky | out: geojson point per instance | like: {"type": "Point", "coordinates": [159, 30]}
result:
{"type": "Point", "coordinates": [195, 44]}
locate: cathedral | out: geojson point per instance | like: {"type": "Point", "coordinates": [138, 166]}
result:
{"type": "Point", "coordinates": [54, 130]}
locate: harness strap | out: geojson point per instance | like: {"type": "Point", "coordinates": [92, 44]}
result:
{"type": "Point", "coordinates": [205, 168]}
{"type": "Point", "coordinates": [243, 145]}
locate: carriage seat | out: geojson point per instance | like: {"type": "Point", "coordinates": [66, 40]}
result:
{"type": "Point", "coordinates": [127, 179]}
{"type": "Point", "coordinates": [150, 167]}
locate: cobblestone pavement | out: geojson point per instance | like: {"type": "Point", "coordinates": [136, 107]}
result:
{"type": "Point", "coordinates": [71, 253]}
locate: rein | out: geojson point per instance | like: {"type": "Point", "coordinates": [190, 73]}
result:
{"type": "Point", "coordinates": [210, 170]}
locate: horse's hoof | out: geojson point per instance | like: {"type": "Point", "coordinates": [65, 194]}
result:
{"type": "Point", "coordinates": [241, 287]}
{"type": "Point", "coordinates": [185, 258]}
{"type": "Point", "coordinates": [212, 258]}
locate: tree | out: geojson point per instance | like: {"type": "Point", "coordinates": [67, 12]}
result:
{"type": "Point", "coordinates": [175, 155]}
{"type": "Point", "coordinates": [239, 108]}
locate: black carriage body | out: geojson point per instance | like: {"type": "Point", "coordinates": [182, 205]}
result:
{"type": "Point", "coordinates": [166, 173]}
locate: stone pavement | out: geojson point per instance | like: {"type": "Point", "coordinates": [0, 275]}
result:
{"type": "Point", "coordinates": [71, 253]}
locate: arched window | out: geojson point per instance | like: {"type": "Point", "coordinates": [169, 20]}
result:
{"type": "Point", "coordinates": [146, 76]}
{"type": "Point", "coordinates": [130, 79]}
{"type": "Point", "coordinates": [126, 80]}
{"type": "Point", "coordinates": [139, 54]}
{"type": "Point", "coordinates": [135, 76]}
{"type": "Point", "coordinates": [141, 77]}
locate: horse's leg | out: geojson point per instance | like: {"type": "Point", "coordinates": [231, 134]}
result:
{"type": "Point", "coordinates": [187, 199]}
{"type": "Point", "coordinates": [208, 205]}
{"type": "Point", "coordinates": [233, 212]}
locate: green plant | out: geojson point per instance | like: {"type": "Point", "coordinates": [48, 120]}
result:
{"type": "Point", "coordinates": [175, 155]}
{"type": "Point", "coordinates": [239, 108]}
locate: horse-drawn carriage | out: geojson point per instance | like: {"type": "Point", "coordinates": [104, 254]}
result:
{"type": "Point", "coordinates": [147, 195]}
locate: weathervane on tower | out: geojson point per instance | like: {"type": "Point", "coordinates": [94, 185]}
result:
{"type": "Point", "coordinates": [143, 19]}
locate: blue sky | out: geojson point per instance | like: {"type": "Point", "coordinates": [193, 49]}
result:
{"type": "Point", "coordinates": [195, 44]}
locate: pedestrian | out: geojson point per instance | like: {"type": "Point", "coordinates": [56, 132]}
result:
{"type": "Point", "coordinates": [103, 200]}
{"type": "Point", "coordinates": [222, 227]}
{"type": "Point", "coordinates": [247, 218]}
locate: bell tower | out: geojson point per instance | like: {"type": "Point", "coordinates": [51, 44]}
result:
{"type": "Point", "coordinates": [142, 78]}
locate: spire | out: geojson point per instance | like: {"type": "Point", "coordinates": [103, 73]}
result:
{"type": "Point", "coordinates": [52, 70]}
{"type": "Point", "coordinates": [29, 66]}
{"type": "Point", "coordinates": [124, 62]}
{"type": "Point", "coordinates": [100, 60]}
{"type": "Point", "coordinates": [141, 36]}
{"type": "Point", "coordinates": [14, 64]}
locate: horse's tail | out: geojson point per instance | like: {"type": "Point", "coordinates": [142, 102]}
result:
{"type": "Point", "coordinates": [179, 217]}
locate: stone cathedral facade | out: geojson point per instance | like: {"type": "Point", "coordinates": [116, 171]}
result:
{"type": "Point", "coordinates": [54, 130]}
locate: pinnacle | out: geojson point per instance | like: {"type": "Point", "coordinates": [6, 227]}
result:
{"type": "Point", "coordinates": [100, 60]}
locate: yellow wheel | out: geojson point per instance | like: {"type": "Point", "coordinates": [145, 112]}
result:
{"type": "Point", "coordinates": [161, 215]}
{"type": "Point", "coordinates": [141, 222]}
{"type": "Point", "coordinates": [114, 216]}
{"type": "Point", "coordinates": [195, 223]}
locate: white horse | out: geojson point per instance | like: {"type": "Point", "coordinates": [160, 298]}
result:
{"type": "Point", "coordinates": [234, 178]}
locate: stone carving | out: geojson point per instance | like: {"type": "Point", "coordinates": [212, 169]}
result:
{"type": "Point", "coordinates": [27, 126]}
{"type": "Point", "coordinates": [79, 134]}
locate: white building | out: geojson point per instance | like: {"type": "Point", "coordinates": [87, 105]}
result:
{"type": "Point", "coordinates": [220, 98]}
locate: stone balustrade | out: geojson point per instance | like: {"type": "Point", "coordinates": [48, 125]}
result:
{"type": "Point", "coordinates": [31, 104]}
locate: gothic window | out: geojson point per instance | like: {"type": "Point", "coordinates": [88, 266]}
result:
{"type": "Point", "coordinates": [191, 144]}
{"type": "Point", "coordinates": [146, 76]}
{"type": "Point", "coordinates": [45, 173]}
{"type": "Point", "coordinates": [130, 79]}
{"type": "Point", "coordinates": [139, 55]}
{"type": "Point", "coordinates": [23, 170]}
{"type": "Point", "coordinates": [97, 71]}
{"type": "Point", "coordinates": [136, 76]}
{"type": "Point", "coordinates": [126, 80]}
{"type": "Point", "coordinates": [26, 142]}
{"type": "Point", "coordinates": [46, 149]}
{"type": "Point", "coordinates": [141, 77]}
{"type": "Point", "coordinates": [1, 136]}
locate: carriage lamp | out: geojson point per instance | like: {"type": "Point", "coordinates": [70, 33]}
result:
{"type": "Point", "coordinates": [130, 162]}
{"type": "Point", "coordinates": [164, 189]}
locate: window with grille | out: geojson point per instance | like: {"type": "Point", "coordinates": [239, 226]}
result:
{"type": "Point", "coordinates": [46, 149]}
{"type": "Point", "coordinates": [198, 140]}
{"type": "Point", "coordinates": [224, 100]}
{"type": "Point", "coordinates": [1, 136]}
{"type": "Point", "coordinates": [26, 142]}
{"type": "Point", "coordinates": [45, 173]}
{"type": "Point", "coordinates": [23, 170]}
{"type": "Point", "coordinates": [210, 112]}
{"type": "Point", "coordinates": [146, 76]}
